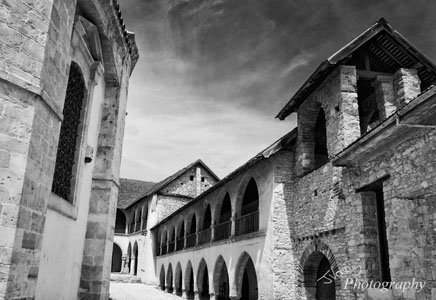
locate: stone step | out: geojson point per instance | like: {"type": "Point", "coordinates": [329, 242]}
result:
{"type": "Point", "coordinates": [118, 277]}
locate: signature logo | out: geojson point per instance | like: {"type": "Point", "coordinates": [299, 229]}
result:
{"type": "Point", "coordinates": [330, 276]}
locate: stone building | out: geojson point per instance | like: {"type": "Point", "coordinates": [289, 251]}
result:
{"type": "Point", "coordinates": [342, 207]}
{"type": "Point", "coordinates": [64, 75]}
{"type": "Point", "coordinates": [141, 205]}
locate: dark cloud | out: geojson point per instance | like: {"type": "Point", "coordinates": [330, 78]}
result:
{"type": "Point", "coordinates": [245, 55]}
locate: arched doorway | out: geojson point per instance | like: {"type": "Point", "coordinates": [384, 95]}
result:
{"type": "Point", "coordinates": [203, 281]}
{"type": "Point", "coordinates": [224, 226]}
{"type": "Point", "coordinates": [120, 222]}
{"type": "Point", "coordinates": [249, 212]}
{"type": "Point", "coordinates": [135, 257]}
{"type": "Point", "coordinates": [162, 278]}
{"type": "Point", "coordinates": [246, 278]}
{"type": "Point", "coordinates": [116, 258]}
{"type": "Point", "coordinates": [221, 279]}
{"type": "Point", "coordinates": [169, 287]}
{"type": "Point", "coordinates": [189, 281]}
{"type": "Point", "coordinates": [178, 280]}
{"type": "Point", "coordinates": [205, 233]}
{"type": "Point", "coordinates": [319, 283]}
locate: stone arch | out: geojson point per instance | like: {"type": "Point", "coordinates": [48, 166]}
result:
{"type": "Point", "coordinates": [221, 279]}
{"type": "Point", "coordinates": [117, 255]}
{"type": "Point", "coordinates": [191, 224]}
{"type": "Point", "coordinates": [205, 217]}
{"type": "Point", "coordinates": [320, 136]}
{"type": "Point", "coordinates": [203, 279]}
{"type": "Point", "coordinates": [163, 242]}
{"type": "Point", "coordinates": [172, 239]}
{"type": "Point", "coordinates": [144, 216]}
{"type": "Point", "coordinates": [135, 256]}
{"type": "Point", "coordinates": [247, 209]}
{"type": "Point", "coordinates": [246, 278]}
{"type": "Point", "coordinates": [120, 222]}
{"type": "Point", "coordinates": [162, 278]}
{"type": "Point", "coordinates": [180, 235]}
{"type": "Point", "coordinates": [205, 232]}
{"type": "Point", "coordinates": [169, 281]}
{"type": "Point", "coordinates": [129, 255]}
{"type": "Point", "coordinates": [189, 281]}
{"type": "Point", "coordinates": [178, 277]}
{"type": "Point", "coordinates": [317, 258]}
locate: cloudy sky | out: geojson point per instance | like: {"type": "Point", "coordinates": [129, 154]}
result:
{"type": "Point", "coordinates": [213, 74]}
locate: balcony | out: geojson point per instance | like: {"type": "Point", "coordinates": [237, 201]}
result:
{"type": "Point", "coordinates": [247, 223]}
{"type": "Point", "coordinates": [223, 231]}
{"type": "Point", "coordinates": [171, 247]}
{"type": "Point", "coordinates": [204, 236]}
{"type": "Point", "coordinates": [191, 240]}
{"type": "Point", "coordinates": [180, 244]}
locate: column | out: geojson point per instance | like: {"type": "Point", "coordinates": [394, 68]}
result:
{"type": "Point", "coordinates": [233, 227]}
{"type": "Point", "coordinates": [132, 266]}
{"type": "Point", "coordinates": [196, 295]}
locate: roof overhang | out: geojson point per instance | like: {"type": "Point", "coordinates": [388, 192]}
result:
{"type": "Point", "coordinates": [345, 53]}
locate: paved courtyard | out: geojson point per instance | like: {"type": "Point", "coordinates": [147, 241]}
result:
{"type": "Point", "coordinates": [137, 291]}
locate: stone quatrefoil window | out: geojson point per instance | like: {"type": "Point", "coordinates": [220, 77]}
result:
{"type": "Point", "coordinates": [67, 146]}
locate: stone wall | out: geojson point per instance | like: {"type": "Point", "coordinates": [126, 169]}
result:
{"type": "Point", "coordinates": [166, 205]}
{"type": "Point", "coordinates": [337, 96]}
{"type": "Point", "coordinates": [192, 183]}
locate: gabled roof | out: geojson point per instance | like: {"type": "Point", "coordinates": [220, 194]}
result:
{"type": "Point", "coordinates": [282, 143]}
{"type": "Point", "coordinates": [387, 50]}
{"type": "Point", "coordinates": [131, 189]}
{"type": "Point", "coordinates": [162, 184]}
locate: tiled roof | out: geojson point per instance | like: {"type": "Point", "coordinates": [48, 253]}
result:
{"type": "Point", "coordinates": [131, 189]}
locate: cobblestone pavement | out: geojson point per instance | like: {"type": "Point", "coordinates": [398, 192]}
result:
{"type": "Point", "coordinates": [137, 291]}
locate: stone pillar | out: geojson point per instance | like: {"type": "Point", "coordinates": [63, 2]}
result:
{"type": "Point", "coordinates": [196, 295]}
{"type": "Point", "coordinates": [348, 122]}
{"type": "Point", "coordinates": [184, 294]}
{"type": "Point", "coordinates": [123, 265]}
{"type": "Point", "coordinates": [132, 266]}
{"type": "Point", "coordinates": [384, 95]}
{"type": "Point", "coordinates": [233, 227]}
{"type": "Point", "coordinates": [213, 296]}
{"type": "Point", "coordinates": [97, 253]}
{"type": "Point", "coordinates": [235, 297]}
{"type": "Point", "coordinates": [407, 86]}
{"type": "Point", "coordinates": [212, 232]}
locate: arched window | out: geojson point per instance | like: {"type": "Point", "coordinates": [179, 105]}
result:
{"type": "Point", "coordinates": [144, 218]}
{"type": "Point", "coordinates": [68, 145]}
{"type": "Point", "coordinates": [132, 223]}
{"type": "Point", "coordinates": [116, 259]}
{"type": "Point", "coordinates": [180, 243]}
{"type": "Point", "coordinates": [191, 238]}
{"type": "Point", "coordinates": [321, 153]}
{"type": "Point", "coordinates": [163, 245]}
{"type": "Point", "coordinates": [205, 233]}
{"type": "Point", "coordinates": [171, 244]}
{"type": "Point", "coordinates": [249, 219]}
{"type": "Point", "coordinates": [120, 222]}
{"type": "Point", "coordinates": [224, 226]}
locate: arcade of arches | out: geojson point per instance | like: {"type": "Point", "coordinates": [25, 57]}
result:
{"type": "Point", "coordinates": [205, 281]}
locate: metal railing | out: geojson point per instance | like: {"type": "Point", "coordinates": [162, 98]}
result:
{"type": "Point", "coordinates": [180, 244]}
{"type": "Point", "coordinates": [247, 223]}
{"type": "Point", "coordinates": [171, 247]}
{"type": "Point", "coordinates": [204, 236]}
{"type": "Point", "coordinates": [191, 240]}
{"type": "Point", "coordinates": [223, 231]}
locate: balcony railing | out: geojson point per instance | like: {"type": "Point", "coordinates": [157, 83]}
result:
{"type": "Point", "coordinates": [222, 231]}
{"type": "Point", "coordinates": [247, 223]}
{"type": "Point", "coordinates": [191, 240]}
{"type": "Point", "coordinates": [171, 247]}
{"type": "Point", "coordinates": [163, 249]}
{"type": "Point", "coordinates": [180, 244]}
{"type": "Point", "coordinates": [204, 236]}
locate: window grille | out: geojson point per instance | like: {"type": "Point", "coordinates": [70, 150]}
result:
{"type": "Point", "coordinates": [67, 146]}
